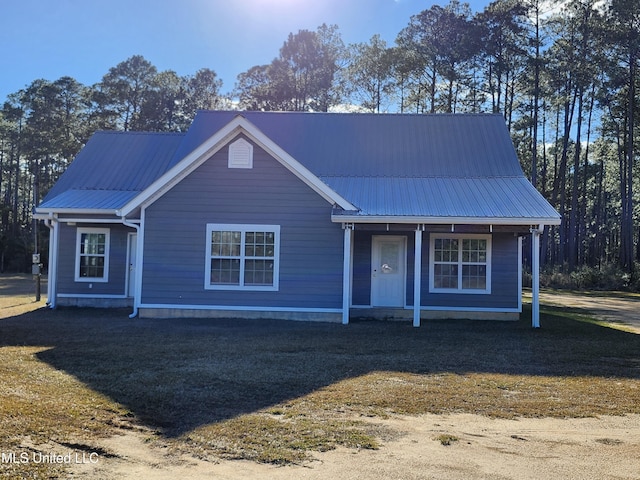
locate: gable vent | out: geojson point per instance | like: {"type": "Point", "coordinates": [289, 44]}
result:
{"type": "Point", "coordinates": [241, 154]}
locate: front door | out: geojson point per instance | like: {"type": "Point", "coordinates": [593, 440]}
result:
{"type": "Point", "coordinates": [388, 271]}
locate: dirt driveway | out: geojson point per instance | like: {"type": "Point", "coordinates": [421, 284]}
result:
{"type": "Point", "coordinates": [620, 310]}
{"type": "Point", "coordinates": [482, 448]}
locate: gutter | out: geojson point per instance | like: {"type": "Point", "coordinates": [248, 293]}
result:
{"type": "Point", "coordinates": [524, 221]}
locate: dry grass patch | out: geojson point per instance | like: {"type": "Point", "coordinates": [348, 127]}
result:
{"type": "Point", "coordinates": [44, 410]}
{"type": "Point", "coordinates": [279, 440]}
{"type": "Point", "coordinates": [379, 394]}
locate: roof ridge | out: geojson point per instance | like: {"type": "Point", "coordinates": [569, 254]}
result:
{"type": "Point", "coordinates": [342, 114]}
{"type": "Point", "coordinates": [482, 177]}
{"type": "Point", "coordinates": [130, 132]}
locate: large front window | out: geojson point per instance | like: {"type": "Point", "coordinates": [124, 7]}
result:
{"type": "Point", "coordinates": [242, 257]}
{"type": "Point", "coordinates": [460, 264]}
{"type": "Point", "coordinates": [92, 255]}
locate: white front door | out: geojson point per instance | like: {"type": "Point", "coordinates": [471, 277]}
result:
{"type": "Point", "coordinates": [132, 256]}
{"type": "Point", "coordinates": [388, 271]}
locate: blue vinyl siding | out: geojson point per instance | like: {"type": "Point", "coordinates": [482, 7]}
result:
{"type": "Point", "coordinates": [268, 194]}
{"type": "Point", "coordinates": [117, 261]}
{"type": "Point", "coordinates": [361, 278]}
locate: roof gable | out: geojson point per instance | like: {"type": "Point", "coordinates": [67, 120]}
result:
{"type": "Point", "coordinates": [215, 142]}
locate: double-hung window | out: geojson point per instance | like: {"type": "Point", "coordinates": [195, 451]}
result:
{"type": "Point", "coordinates": [242, 257]}
{"type": "Point", "coordinates": [92, 255]}
{"type": "Point", "coordinates": [460, 263]}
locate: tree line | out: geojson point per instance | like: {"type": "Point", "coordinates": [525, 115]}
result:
{"type": "Point", "coordinates": [563, 74]}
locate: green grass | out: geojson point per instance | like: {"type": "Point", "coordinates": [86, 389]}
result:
{"type": "Point", "coordinates": [276, 391]}
{"type": "Point", "coordinates": [446, 439]}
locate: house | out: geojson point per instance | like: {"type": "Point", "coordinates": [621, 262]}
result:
{"type": "Point", "coordinates": [298, 215]}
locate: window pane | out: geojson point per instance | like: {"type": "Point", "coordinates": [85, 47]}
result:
{"type": "Point", "coordinates": [446, 250]}
{"type": "Point", "coordinates": [258, 272]}
{"type": "Point", "coordinates": [91, 267]}
{"type": "Point", "coordinates": [92, 243]}
{"type": "Point", "coordinates": [445, 276]}
{"type": "Point", "coordinates": [225, 271]}
{"type": "Point", "coordinates": [259, 244]}
{"type": "Point", "coordinates": [474, 250]}
{"type": "Point", "coordinates": [474, 277]}
{"type": "Point", "coordinates": [225, 244]}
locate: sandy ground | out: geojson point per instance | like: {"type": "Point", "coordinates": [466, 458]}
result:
{"type": "Point", "coordinates": [622, 312]}
{"type": "Point", "coordinates": [600, 448]}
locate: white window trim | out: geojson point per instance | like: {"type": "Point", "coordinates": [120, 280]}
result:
{"type": "Point", "coordinates": [211, 227]}
{"type": "Point", "coordinates": [458, 236]}
{"type": "Point", "coordinates": [107, 233]}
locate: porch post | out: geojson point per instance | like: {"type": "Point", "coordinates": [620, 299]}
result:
{"type": "Point", "coordinates": [535, 276]}
{"type": "Point", "coordinates": [52, 269]}
{"type": "Point", "coordinates": [417, 276]}
{"type": "Point", "coordinates": [346, 272]}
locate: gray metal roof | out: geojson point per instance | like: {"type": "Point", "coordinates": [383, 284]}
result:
{"type": "Point", "coordinates": [89, 199]}
{"type": "Point", "coordinates": [436, 166]}
{"type": "Point", "coordinates": [372, 145]}
{"type": "Point", "coordinates": [443, 197]}
{"type": "Point", "coordinates": [111, 169]}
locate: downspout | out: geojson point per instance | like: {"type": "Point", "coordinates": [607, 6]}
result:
{"type": "Point", "coordinates": [135, 226]}
{"type": "Point", "coordinates": [52, 268]}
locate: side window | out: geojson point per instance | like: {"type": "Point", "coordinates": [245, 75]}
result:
{"type": "Point", "coordinates": [242, 257]}
{"type": "Point", "coordinates": [92, 255]}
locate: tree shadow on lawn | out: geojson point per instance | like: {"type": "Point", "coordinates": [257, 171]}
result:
{"type": "Point", "coordinates": [177, 375]}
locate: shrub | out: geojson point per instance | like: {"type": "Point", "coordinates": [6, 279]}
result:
{"type": "Point", "coordinates": [608, 276]}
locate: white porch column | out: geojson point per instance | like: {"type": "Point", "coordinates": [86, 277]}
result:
{"type": "Point", "coordinates": [52, 269]}
{"type": "Point", "coordinates": [535, 276]}
{"type": "Point", "coordinates": [346, 272]}
{"type": "Point", "coordinates": [417, 276]}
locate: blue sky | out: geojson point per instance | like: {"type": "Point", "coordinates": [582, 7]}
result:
{"type": "Point", "coordinates": [84, 38]}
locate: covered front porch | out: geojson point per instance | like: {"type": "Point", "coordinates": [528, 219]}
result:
{"type": "Point", "coordinates": [419, 271]}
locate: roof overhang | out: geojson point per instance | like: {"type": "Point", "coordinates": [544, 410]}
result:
{"type": "Point", "coordinates": [215, 143]}
{"type": "Point", "coordinates": [355, 218]}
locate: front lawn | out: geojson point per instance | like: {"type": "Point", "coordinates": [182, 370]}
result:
{"type": "Point", "coordinates": [274, 391]}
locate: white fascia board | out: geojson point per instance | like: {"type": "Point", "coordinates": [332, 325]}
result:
{"type": "Point", "coordinates": [73, 211]}
{"type": "Point", "coordinates": [212, 145]}
{"type": "Point", "coordinates": [77, 216]}
{"type": "Point", "coordinates": [341, 218]}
